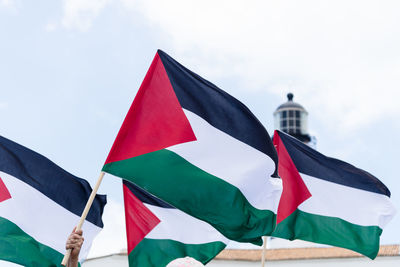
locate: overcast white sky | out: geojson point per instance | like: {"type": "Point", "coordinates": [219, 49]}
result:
{"type": "Point", "coordinates": [70, 69]}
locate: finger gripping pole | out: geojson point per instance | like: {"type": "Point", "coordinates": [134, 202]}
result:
{"type": "Point", "coordinates": [83, 216]}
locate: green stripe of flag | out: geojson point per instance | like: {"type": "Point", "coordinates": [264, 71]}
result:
{"type": "Point", "coordinates": [19, 247]}
{"type": "Point", "coordinates": [159, 252]}
{"type": "Point", "coordinates": [318, 229]}
{"type": "Point", "coordinates": [196, 192]}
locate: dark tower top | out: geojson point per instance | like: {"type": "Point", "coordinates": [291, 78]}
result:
{"type": "Point", "coordinates": [291, 118]}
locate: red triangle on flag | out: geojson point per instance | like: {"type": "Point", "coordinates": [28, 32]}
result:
{"type": "Point", "coordinates": [139, 219]}
{"type": "Point", "coordinates": [154, 121]}
{"type": "Point", "coordinates": [295, 190]}
{"type": "Point", "coordinates": [4, 193]}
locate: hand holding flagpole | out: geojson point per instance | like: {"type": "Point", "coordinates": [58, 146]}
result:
{"type": "Point", "coordinates": [84, 214]}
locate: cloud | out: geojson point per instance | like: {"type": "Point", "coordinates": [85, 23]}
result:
{"type": "Point", "coordinates": [7, 3]}
{"type": "Point", "coordinates": [12, 5]}
{"type": "Point", "coordinates": [341, 57]}
{"type": "Point", "coordinates": [80, 14]}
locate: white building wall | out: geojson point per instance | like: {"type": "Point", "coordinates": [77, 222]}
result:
{"type": "Point", "coordinates": [389, 261]}
{"type": "Point", "coordinates": [350, 262]}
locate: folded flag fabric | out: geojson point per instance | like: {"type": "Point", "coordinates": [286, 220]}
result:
{"type": "Point", "coordinates": [40, 204]}
{"type": "Point", "coordinates": [199, 149]}
{"type": "Point", "coordinates": [329, 201]}
{"type": "Point", "coordinates": [158, 233]}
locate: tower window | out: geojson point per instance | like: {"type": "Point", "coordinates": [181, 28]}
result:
{"type": "Point", "coordinates": [290, 121]}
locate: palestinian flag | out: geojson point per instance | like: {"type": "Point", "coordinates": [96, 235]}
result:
{"type": "Point", "coordinates": [199, 149]}
{"type": "Point", "coordinates": [157, 233]}
{"type": "Point", "coordinates": [40, 204]}
{"type": "Point", "coordinates": [343, 206]}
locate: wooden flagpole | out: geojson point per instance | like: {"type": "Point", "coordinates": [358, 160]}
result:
{"type": "Point", "coordinates": [264, 251]}
{"type": "Point", "coordinates": [84, 214]}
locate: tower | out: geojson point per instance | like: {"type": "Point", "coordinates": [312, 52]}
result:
{"type": "Point", "coordinates": [292, 118]}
